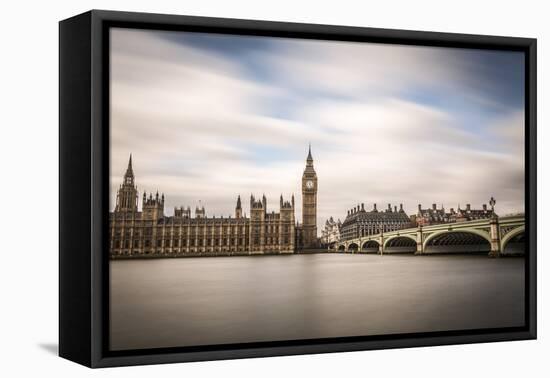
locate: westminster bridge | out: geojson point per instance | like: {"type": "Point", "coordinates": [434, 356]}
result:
{"type": "Point", "coordinates": [496, 236]}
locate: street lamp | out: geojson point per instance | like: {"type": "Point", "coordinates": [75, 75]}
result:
{"type": "Point", "coordinates": [492, 202]}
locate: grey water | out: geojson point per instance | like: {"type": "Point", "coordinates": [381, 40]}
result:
{"type": "Point", "coordinates": [215, 300]}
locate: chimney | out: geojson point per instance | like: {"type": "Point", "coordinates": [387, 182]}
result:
{"type": "Point", "coordinates": [374, 209]}
{"type": "Point", "coordinates": [395, 209]}
{"type": "Point", "coordinates": [484, 207]}
{"type": "Point", "coordinates": [348, 212]}
{"type": "Point", "coordinates": [362, 207]}
{"type": "Point", "coordinates": [467, 207]}
{"type": "Point", "coordinates": [419, 208]}
{"type": "Point", "coordinates": [434, 206]}
{"type": "Point", "coordinates": [401, 207]}
{"type": "Point", "coordinates": [389, 207]}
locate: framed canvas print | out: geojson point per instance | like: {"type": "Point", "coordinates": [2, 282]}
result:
{"type": "Point", "coordinates": [234, 188]}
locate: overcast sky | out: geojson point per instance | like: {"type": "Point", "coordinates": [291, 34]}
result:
{"type": "Point", "coordinates": [207, 117]}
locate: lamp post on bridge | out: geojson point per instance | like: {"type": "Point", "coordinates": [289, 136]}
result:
{"type": "Point", "coordinates": [492, 203]}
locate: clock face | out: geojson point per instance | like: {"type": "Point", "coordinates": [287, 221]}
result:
{"type": "Point", "coordinates": [309, 184]}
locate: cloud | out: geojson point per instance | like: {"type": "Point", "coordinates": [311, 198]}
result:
{"type": "Point", "coordinates": [205, 125]}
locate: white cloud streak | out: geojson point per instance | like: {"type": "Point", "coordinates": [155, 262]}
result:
{"type": "Point", "coordinates": [196, 124]}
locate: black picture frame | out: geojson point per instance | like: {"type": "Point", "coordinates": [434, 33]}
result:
{"type": "Point", "coordinates": [84, 190]}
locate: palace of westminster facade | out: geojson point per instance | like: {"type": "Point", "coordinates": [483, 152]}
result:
{"type": "Point", "coordinates": [150, 232]}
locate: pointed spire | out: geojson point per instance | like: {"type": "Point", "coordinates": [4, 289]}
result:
{"type": "Point", "coordinates": [309, 157]}
{"type": "Point", "coordinates": [238, 202]}
{"type": "Point", "coordinates": [129, 175]}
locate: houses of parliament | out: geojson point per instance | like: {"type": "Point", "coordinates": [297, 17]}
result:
{"type": "Point", "coordinates": [150, 232]}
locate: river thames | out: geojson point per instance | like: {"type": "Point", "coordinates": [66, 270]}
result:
{"type": "Point", "coordinates": [215, 300]}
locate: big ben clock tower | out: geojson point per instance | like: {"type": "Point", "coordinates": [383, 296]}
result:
{"type": "Point", "coordinates": [309, 204]}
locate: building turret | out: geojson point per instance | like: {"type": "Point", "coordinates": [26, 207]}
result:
{"type": "Point", "coordinates": [286, 228]}
{"type": "Point", "coordinates": [200, 213]}
{"type": "Point", "coordinates": [153, 208]}
{"type": "Point", "coordinates": [127, 195]}
{"type": "Point", "coordinates": [238, 208]}
{"type": "Point", "coordinates": [182, 212]}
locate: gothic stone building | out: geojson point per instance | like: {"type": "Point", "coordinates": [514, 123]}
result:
{"type": "Point", "coordinates": [151, 232]}
{"type": "Point", "coordinates": [360, 222]}
{"type": "Point", "coordinates": [331, 232]}
{"type": "Point", "coordinates": [433, 215]}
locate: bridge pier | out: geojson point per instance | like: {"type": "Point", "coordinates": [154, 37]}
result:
{"type": "Point", "coordinates": [419, 242]}
{"type": "Point", "coordinates": [381, 244]}
{"type": "Point", "coordinates": [495, 238]}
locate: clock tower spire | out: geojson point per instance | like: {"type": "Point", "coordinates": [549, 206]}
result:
{"type": "Point", "coordinates": [309, 204]}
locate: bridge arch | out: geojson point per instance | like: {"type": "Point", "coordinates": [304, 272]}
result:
{"type": "Point", "coordinates": [400, 244]}
{"type": "Point", "coordinates": [341, 247]}
{"type": "Point", "coordinates": [461, 240]}
{"type": "Point", "coordinates": [514, 241]}
{"type": "Point", "coordinates": [353, 247]}
{"type": "Point", "coordinates": [371, 246]}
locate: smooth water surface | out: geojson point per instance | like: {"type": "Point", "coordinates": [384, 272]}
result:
{"type": "Point", "coordinates": [213, 300]}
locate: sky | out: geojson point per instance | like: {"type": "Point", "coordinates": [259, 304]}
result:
{"type": "Point", "coordinates": [207, 117]}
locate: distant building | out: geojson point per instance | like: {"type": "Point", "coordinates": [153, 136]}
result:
{"type": "Point", "coordinates": [360, 222]}
{"type": "Point", "coordinates": [331, 232]}
{"type": "Point", "coordinates": [433, 215]}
